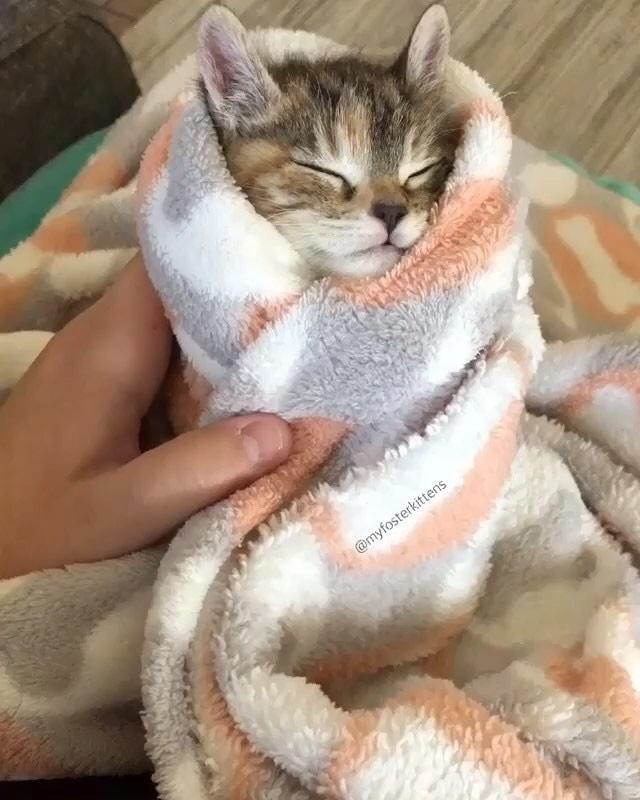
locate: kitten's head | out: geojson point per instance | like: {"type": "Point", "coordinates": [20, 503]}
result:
{"type": "Point", "coordinates": [345, 157]}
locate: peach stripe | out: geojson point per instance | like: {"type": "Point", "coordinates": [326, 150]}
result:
{"type": "Point", "coordinates": [155, 157]}
{"type": "Point", "coordinates": [260, 315]}
{"type": "Point", "coordinates": [23, 755]}
{"type": "Point", "coordinates": [355, 745]}
{"type": "Point", "coordinates": [570, 271]}
{"type": "Point", "coordinates": [582, 393]}
{"type": "Point", "coordinates": [474, 220]}
{"type": "Point", "coordinates": [486, 107]}
{"type": "Point", "coordinates": [313, 440]}
{"type": "Point", "coordinates": [456, 518]}
{"type": "Point", "coordinates": [62, 234]}
{"type": "Point", "coordinates": [366, 662]}
{"type": "Point", "coordinates": [489, 741]}
{"type": "Point", "coordinates": [247, 771]}
{"type": "Point", "coordinates": [619, 243]}
{"type": "Point", "coordinates": [105, 173]}
{"type": "Point", "coordinates": [13, 293]}
{"type": "Point", "coordinates": [599, 681]}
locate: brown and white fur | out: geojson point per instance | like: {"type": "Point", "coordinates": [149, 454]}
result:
{"type": "Point", "coordinates": [344, 156]}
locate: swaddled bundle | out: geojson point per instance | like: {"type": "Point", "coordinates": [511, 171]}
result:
{"type": "Point", "coordinates": [429, 598]}
{"type": "Point", "coordinates": [428, 607]}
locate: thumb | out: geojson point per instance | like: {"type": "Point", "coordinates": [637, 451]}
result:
{"type": "Point", "coordinates": [147, 497]}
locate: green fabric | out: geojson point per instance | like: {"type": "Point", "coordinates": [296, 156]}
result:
{"type": "Point", "coordinates": [23, 210]}
{"type": "Point", "coordinates": [623, 188]}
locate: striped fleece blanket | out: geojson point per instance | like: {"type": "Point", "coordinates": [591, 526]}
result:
{"type": "Point", "coordinates": [435, 596]}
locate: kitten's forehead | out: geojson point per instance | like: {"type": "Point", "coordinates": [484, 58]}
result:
{"type": "Point", "coordinates": [352, 115]}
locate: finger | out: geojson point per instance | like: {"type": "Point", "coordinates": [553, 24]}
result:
{"type": "Point", "coordinates": [135, 341]}
{"type": "Point", "coordinates": [141, 501]}
{"type": "Point", "coordinates": [123, 342]}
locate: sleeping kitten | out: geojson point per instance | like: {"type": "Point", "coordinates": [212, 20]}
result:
{"type": "Point", "coordinates": [344, 156]}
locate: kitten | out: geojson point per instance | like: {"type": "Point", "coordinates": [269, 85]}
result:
{"type": "Point", "coordinates": [344, 156]}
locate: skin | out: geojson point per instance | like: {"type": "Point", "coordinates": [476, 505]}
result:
{"type": "Point", "coordinates": [74, 484]}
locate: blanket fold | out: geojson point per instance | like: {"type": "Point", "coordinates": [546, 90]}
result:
{"type": "Point", "coordinates": [437, 594]}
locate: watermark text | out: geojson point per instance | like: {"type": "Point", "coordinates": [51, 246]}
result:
{"type": "Point", "coordinates": [418, 502]}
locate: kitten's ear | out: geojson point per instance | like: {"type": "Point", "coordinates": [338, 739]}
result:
{"type": "Point", "coordinates": [424, 59]}
{"type": "Point", "coordinates": [237, 82]}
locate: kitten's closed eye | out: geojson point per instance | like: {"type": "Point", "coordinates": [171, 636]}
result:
{"type": "Point", "coordinates": [338, 178]}
{"type": "Point", "coordinates": [432, 172]}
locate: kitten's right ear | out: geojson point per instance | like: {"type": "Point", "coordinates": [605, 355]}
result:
{"type": "Point", "coordinates": [422, 63]}
{"type": "Point", "coordinates": [237, 82]}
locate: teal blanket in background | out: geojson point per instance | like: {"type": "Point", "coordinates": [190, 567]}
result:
{"type": "Point", "coordinates": [23, 210]}
{"type": "Point", "coordinates": [623, 188]}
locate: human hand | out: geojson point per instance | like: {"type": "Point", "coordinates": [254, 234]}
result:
{"type": "Point", "coordinates": [74, 485]}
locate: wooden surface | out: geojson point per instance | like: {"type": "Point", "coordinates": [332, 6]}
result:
{"type": "Point", "coordinates": [118, 15]}
{"type": "Point", "coordinates": [569, 70]}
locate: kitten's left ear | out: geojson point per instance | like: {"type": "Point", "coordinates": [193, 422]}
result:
{"type": "Point", "coordinates": [424, 59]}
{"type": "Point", "coordinates": [238, 83]}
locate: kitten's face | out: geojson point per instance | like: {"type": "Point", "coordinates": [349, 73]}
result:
{"type": "Point", "coordinates": [344, 157]}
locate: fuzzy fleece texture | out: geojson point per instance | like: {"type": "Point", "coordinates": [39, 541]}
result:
{"type": "Point", "coordinates": [436, 595]}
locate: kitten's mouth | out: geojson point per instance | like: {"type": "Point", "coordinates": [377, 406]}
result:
{"type": "Point", "coordinates": [371, 261]}
{"type": "Point", "coordinates": [381, 249]}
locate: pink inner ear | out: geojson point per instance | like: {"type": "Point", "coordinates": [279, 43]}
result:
{"type": "Point", "coordinates": [237, 82]}
{"type": "Point", "coordinates": [434, 57]}
{"type": "Point", "coordinates": [217, 60]}
{"type": "Point", "coordinates": [429, 46]}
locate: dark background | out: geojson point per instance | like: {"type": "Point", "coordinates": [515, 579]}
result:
{"type": "Point", "coordinates": [138, 787]}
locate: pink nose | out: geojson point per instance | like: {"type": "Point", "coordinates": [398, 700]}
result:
{"type": "Point", "coordinates": [389, 213]}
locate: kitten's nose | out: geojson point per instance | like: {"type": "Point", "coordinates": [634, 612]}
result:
{"type": "Point", "coordinates": [389, 213]}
